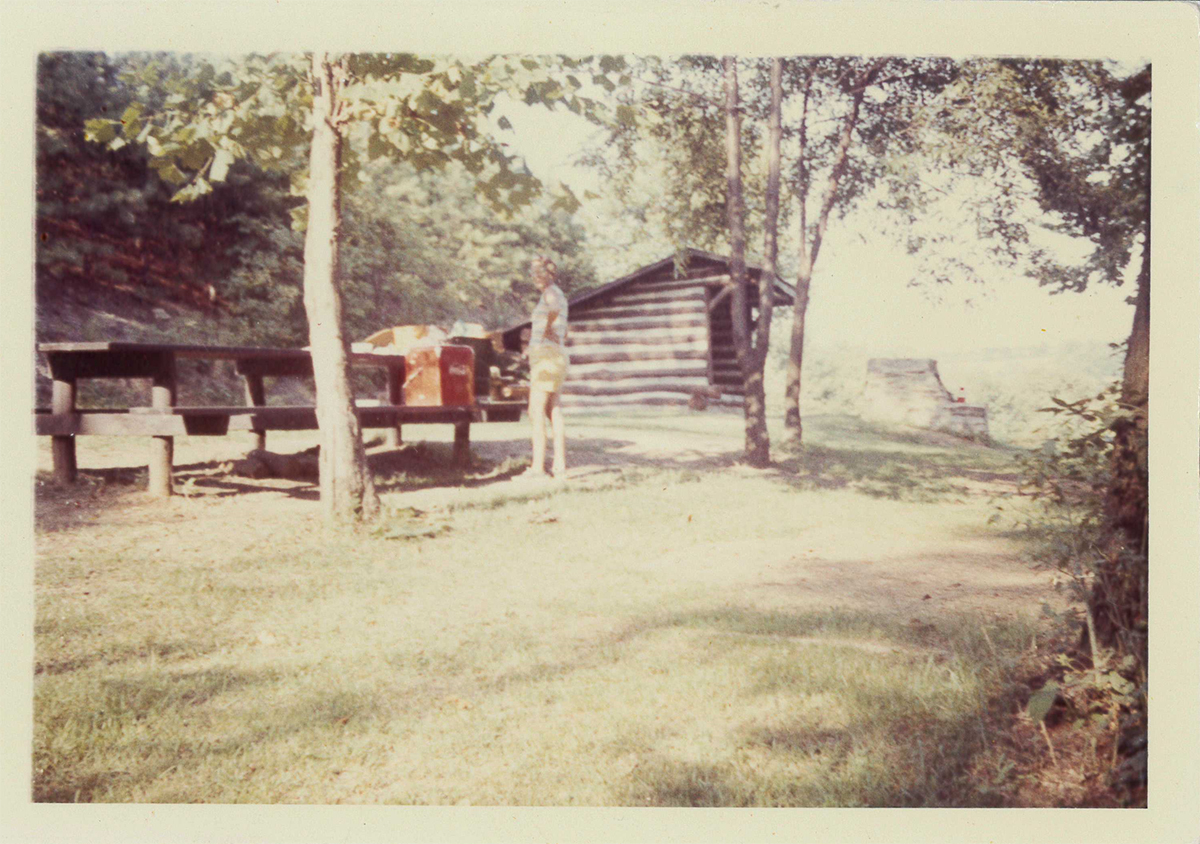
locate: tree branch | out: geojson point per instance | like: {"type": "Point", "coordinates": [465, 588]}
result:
{"type": "Point", "coordinates": [701, 97]}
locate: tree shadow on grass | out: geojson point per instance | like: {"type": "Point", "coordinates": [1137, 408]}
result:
{"type": "Point", "coordinates": [899, 747]}
{"type": "Point", "coordinates": [111, 709]}
{"type": "Point", "coordinates": [895, 474]}
{"type": "Point", "coordinates": [164, 701]}
{"type": "Point", "coordinates": [930, 767]}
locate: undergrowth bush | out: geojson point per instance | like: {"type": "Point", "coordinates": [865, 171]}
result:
{"type": "Point", "coordinates": [1103, 685]}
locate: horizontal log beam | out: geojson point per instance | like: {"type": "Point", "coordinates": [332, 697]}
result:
{"type": "Point", "coordinates": [618, 311]}
{"type": "Point", "coordinates": [630, 369]}
{"type": "Point", "coordinates": [586, 331]}
{"type": "Point", "coordinates": [678, 283]}
{"type": "Point", "coordinates": [635, 323]}
{"type": "Point", "coordinates": [636, 385]}
{"type": "Point", "coordinates": [683, 294]}
{"type": "Point", "coordinates": [613, 374]}
{"type": "Point", "coordinates": [656, 354]}
{"type": "Point", "coordinates": [577, 351]}
{"type": "Point", "coordinates": [587, 339]}
{"type": "Point", "coordinates": [630, 400]}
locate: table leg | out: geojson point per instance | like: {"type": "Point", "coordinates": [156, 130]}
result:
{"type": "Point", "coordinates": [256, 396]}
{"type": "Point", "coordinates": [462, 444]}
{"type": "Point", "coordinates": [395, 395]}
{"type": "Point", "coordinates": [62, 401]}
{"type": "Point", "coordinates": [162, 449]}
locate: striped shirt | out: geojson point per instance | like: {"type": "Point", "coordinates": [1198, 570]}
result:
{"type": "Point", "coordinates": [553, 299]}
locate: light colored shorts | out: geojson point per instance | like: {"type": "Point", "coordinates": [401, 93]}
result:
{"type": "Point", "coordinates": [547, 368]}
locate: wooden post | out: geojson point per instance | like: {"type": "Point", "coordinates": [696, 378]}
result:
{"type": "Point", "coordinates": [162, 449]}
{"type": "Point", "coordinates": [395, 395]}
{"type": "Point", "coordinates": [62, 402]}
{"type": "Point", "coordinates": [462, 444]}
{"type": "Point", "coordinates": [256, 396]}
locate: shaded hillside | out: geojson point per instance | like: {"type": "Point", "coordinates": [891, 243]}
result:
{"type": "Point", "coordinates": [105, 220]}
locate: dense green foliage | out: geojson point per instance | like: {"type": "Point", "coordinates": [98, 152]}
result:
{"type": "Point", "coordinates": [106, 226]}
{"type": "Point", "coordinates": [419, 246]}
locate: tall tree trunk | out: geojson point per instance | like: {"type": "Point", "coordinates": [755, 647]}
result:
{"type": "Point", "coordinates": [1118, 600]}
{"type": "Point", "coordinates": [793, 427]}
{"type": "Point", "coordinates": [753, 395]}
{"type": "Point", "coordinates": [793, 424]}
{"type": "Point", "coordinates": [758, 439]}
{"type": "Point", "coordinates": [347, 490]}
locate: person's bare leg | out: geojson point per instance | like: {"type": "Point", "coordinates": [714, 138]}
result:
{"type": "Point", "coordinates": [558, 426]}
{"type": "Point", "coordinates": [537, 417]}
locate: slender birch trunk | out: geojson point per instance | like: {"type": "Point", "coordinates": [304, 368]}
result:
{"type": "Point", "coordinates": [810, 250]}
{"type": "Point", "coordinates": [757, 449]}
{"type": "Point", "coordinates": [758, 439]}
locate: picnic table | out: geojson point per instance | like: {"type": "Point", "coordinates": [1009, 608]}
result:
{"type": "Point", "coordinates": [163, 419]}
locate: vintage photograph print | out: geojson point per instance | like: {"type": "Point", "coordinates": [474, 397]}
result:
{"type": "Point", "coordinates": [614, 430]}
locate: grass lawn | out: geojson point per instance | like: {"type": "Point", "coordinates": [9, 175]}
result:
{"type": "Point", "coordinates": [668, 628]}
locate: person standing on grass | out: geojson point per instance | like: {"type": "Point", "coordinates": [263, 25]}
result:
{"type": "Point", "coordinates": [547, 368]}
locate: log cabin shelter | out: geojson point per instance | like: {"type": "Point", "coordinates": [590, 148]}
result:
{"type": "Point", "coordinates": [658, 336]}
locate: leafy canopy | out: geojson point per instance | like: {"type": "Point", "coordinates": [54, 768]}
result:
{"type": "Point", "coordinates": [200, 115]}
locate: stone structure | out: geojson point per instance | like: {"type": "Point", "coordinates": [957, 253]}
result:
{"type": "Point", "coordinates": [909, 391]}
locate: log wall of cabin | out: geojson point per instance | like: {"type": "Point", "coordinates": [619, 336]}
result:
{"type": "Point", "coordinates": [648, 343]}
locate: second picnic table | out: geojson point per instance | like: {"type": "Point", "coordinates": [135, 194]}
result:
{"type": "Point", "coordinates": [163, 419]}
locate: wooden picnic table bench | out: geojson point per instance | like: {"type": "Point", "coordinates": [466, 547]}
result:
{"type": "Point", "coordinates": [163, 420]}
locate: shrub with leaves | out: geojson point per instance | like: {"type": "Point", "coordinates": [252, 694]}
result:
{"type": "Point", "coordinates": [1104, 684]}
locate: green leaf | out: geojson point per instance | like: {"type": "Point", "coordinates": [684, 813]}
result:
{"type": "Point", "coordinates": [99, 130]}
{"type": "Point", "coordinates": [610, 64]}
{"type": "Point", "coordinates": [1041, 701]}
{"type": "Point", "coordinates": [171, 174]}
{"type": "Point", "coordinates": [566, 200]}
{"type": "Point", "coordinates": [195, 156]}
{"type": "Point", "coordinates": [504, 123]}
{"type": "Point", "coordinates": [198, 188]}
{"type": "Point", "coordinates": [132, 113]}
{"type": "Point", "coordinates": [222, 158]}
{"type": "Point", "coordinates": [377, 147]}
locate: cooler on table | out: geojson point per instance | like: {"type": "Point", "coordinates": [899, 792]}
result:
{"type": "Point", "coordinates": [440, 376]}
